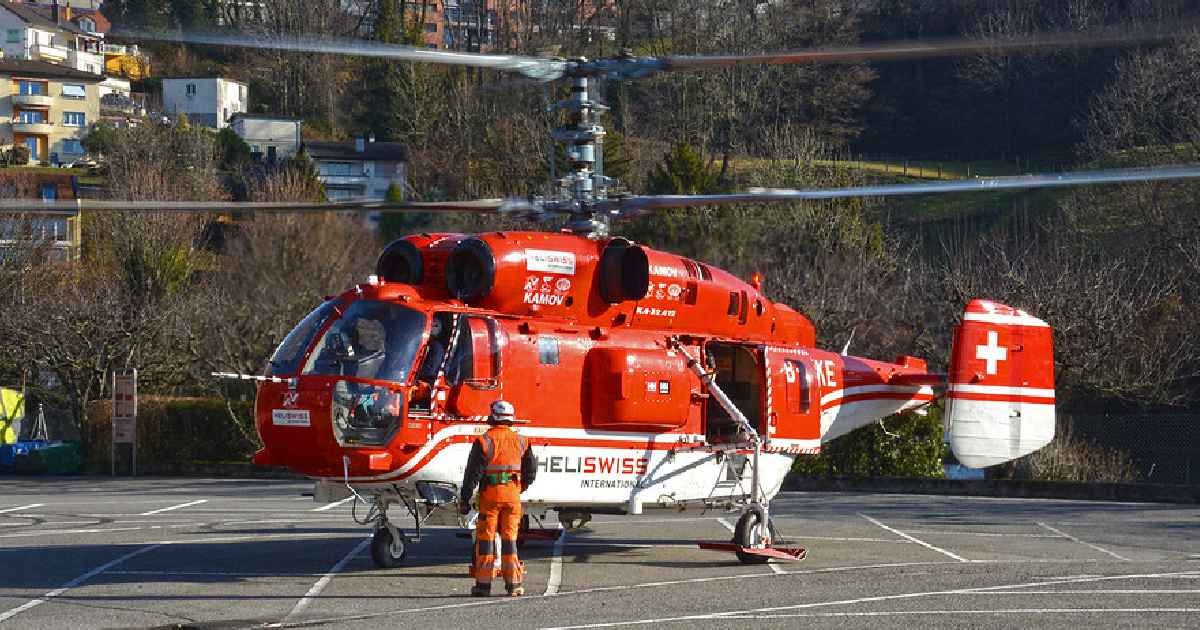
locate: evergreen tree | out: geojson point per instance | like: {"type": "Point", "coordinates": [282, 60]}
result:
{"type": "Point", "coordinates": [381, 109]}
{"type": "Point", "coordinates": [683, 172]}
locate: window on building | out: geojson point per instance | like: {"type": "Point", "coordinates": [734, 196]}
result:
{"type": "Point", "coordinates": [190, 89]}
{"type": "Point", "coordinates": [72, 90]}
{"type": "Point", "coordinates": [88, 25]}
{"type": "Point", "coordinates": [74, 119]}
{"type": "Point", "coordinates": [337, 169]}
{"type": "Point", "coordinates": [33, 88]}
{"type": "Point", "coordinates": [13, 35]}
{"type": "Point", "coordinates": [72, 146]}
{"type": "Point", "coordinates": [431, 27]}
{"type": "Point", "coordinates": [31, 116]}
{"type": "Point", "coordinates": [49, 192]}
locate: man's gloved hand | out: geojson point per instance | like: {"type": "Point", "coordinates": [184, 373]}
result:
{"type": "Point", "coordinates": [464, 506]}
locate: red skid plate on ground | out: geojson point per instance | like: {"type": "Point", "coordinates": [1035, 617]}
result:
{"type": "Point", "coordinates": [783, 553]}
{"type": "Point", "coordinates": [541, 534]}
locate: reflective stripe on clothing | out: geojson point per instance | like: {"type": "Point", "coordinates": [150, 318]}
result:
{"type": "Point", "coordinates": [497, 517]}
{"type": "Point", "coordinates": [502, 451]}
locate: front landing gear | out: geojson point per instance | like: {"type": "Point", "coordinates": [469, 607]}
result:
{"type": "Point", "coordinates": [753, 536]}
{"type": "Point", "coordinates": [750, 532]}
{"type": "Point", "coordinates": [388, 546]}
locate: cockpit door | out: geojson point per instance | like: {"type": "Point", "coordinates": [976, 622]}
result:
{"type": "Point", "coordinates": [479, 352]}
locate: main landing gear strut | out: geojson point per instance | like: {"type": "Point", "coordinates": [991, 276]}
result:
{"type": "Point", "coordinates": [754, 536]}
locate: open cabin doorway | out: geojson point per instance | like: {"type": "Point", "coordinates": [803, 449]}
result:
{"type": "Point", "coordinates": [738, 372]}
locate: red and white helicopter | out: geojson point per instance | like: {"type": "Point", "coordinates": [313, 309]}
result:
{"type": "Point", "coordinates": [647, 380]}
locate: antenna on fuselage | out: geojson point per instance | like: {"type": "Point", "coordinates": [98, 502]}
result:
{"type": "Point", "coordinates": [846, 348]}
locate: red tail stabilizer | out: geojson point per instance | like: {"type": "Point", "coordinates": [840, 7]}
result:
{"type": "Point", "coordinates": [1000, 396]}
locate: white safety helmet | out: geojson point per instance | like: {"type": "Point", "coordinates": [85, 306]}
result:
{"type": "Point", "coordinates": [502, 411]}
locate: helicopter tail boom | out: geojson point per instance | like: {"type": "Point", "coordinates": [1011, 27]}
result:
{"type": "Point", "coordinates": [1001, 385]}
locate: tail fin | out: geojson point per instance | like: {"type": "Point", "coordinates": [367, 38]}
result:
{"type": "Point", "coordinates": [1000, 397]}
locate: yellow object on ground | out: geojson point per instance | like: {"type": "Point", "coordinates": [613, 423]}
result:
{"type": "Point", "coordinates": [12, 407]}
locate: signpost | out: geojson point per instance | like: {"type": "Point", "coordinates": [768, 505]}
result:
{"type": "Point", "coordinates": [124, 416]}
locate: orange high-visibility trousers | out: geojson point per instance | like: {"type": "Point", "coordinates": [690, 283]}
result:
{"type": "Point", "coordinates": [503, 516]}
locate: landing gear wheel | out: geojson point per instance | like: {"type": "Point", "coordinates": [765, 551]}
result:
{"type": "Point", "coordinates": [749, 532]}
{"type": "Point", "coordinates": [386, 553]}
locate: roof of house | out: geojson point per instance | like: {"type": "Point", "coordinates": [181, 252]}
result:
{"type": "Point", "coordinates": [37, 19]}
{"type": "Point", "coordinates": [200, 78]}
{"type": "Point", "coordinates": [42, 69]}
{"type": "Point", "coordinates": [374, 151]}
{"type": "Point", "coordinates": [102, 23]}
{"type": "Point", "coordinates": [263, 117]}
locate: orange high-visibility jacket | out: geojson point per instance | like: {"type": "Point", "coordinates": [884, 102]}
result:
{"type": "Point", "coordinates": [500, 451]}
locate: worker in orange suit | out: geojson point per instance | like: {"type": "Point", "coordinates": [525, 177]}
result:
{"type": "Point", "coordinates": [503, 466]}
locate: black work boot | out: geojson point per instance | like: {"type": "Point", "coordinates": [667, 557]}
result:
{"type": "Point", "coordinates": [481, 590]}
{"type": "Point", "coordinates": [515, 590]}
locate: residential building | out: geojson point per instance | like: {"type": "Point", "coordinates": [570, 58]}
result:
{"type": "Point", "coordinates": [31, 34]}
{"type": "Point", "coordinates": [60, 230]}
{"type": "Point", "coordinates": [360, 169]}
{"type": "Point", "coordinates": [270, 138]}
{"type": "Point", "coordinates": [207, 101]}
{"type": "Point", "coordinates": [47, 108]}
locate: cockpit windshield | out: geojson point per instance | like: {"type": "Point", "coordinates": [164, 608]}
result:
{"type": "Point", "coordinates": [287, 357]}
{"type": "Point", "coordinates": [372, 340]}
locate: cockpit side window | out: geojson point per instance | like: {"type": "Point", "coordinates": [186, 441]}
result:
{"type": "Point", "coordinates": [372, 340]}
{"type": "Point", "coordinates": [458, 367]}
{"type": "Point", "coordinates": [286, 358]}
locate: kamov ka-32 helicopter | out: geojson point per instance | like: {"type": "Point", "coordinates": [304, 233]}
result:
{"type": "Point", "coordinates": [645, 379]}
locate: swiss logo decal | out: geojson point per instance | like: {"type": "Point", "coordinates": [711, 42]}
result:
{"type": "Point", "coordinates": [992, 352]}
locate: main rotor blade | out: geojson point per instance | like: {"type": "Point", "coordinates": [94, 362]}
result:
{"type": "Point", "coordinates": [931, 49]}
{"type": "Point", "coordinates": [531, 67]}
{"type": "Point", "coordinates": [770, 195]}
{"type": "Point", "coordinates": [480, 205]}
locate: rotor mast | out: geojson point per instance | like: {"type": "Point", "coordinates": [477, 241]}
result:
{"type": "Point", "coordinates": [584, 185]}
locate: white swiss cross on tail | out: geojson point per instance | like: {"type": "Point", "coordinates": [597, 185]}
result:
{"type": "Point", "coordinates": [997, 415]}
{"type": "Point", "coordinates": [992, 352]}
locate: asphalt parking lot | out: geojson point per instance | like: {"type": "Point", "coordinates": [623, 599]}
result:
{"type": "Point", "coordinates": [94, 552]}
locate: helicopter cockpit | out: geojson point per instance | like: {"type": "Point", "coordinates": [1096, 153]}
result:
{"type": "Point", "coordinates": [376, 341]}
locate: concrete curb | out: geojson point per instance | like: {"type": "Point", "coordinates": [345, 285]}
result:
{"type": "Point", "coordinates": [1134, 492]}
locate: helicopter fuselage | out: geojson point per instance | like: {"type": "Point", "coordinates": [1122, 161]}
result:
{"type": "Point", "coordinates": [387, 385]}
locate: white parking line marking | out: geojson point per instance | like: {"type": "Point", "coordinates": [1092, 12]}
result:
{"type": "Point", "coordinates": [174, 507]}
{"type": "Point", "coordinates": [916, 540]}
{"type": "Point", "coordinates": [22, 507]}
{"type": "Point", "coordinates": [76, 582]}
{"type": "Point", "coordinates": [1086, 544]}
{"type": "Point", "coordinates": [984, 534]}
{"type": "Point", "coordinates": [1006, 611]}
{"type": "Point", "coordinates": [329, 506]}
{"type": "Point", "coordinates": [555, 579]}
{"type": "Point", "coordinates": [325, 580]}
{"type": "Point", "coordinates": [601, 589]}
{"type": "Point", "coordinates": [733, 614]}
{"type": "Point", "coordinates": [1107, 591]}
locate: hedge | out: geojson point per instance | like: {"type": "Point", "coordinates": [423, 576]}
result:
{"type": "Point", "coordinates": [176, 430]}
{"type": "Point", "coordinates": [911, 446]}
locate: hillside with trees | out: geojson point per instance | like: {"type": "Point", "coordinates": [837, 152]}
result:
{"type": "Point", "coordinates": [1113, 269]}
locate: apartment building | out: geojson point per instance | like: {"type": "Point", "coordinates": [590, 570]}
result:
{"type": "Point", "coordinates": [31, 34]}
{"type": "Point", "coordinates": [360, 169]}
{"type": "Point", "coordinates": [47, 108]}
{"type": "Point", "coordinates": [57, 233]}
{"type": "Point", "coordinates": [208, 101]}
